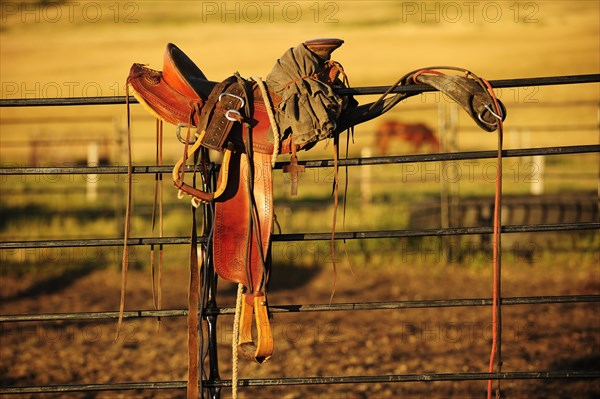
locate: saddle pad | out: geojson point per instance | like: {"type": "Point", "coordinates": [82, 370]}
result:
{"type": "Point", "coordinates": [309, 107]}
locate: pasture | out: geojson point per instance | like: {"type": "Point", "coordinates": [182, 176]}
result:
{"type": "Point", "coordinates": [86, 49]}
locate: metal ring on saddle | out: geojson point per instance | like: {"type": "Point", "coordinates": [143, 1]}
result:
{"type": "Point", "coordinates": [178, 133]}
{"type": "Point", "coordinates": [232, 118]}
{"type": "Point", "coordinates": [495, 115]}
{"type": "Point", "coordinates": [500, 117]}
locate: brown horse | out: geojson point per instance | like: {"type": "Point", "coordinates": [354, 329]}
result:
{"type": "Point", "coordinates": [417, 134]}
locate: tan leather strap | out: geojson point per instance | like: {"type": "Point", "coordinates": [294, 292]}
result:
{"type": "Point", "coordinates": [261, 349]}
{"type": "Point", "coordinates": [179, 173]}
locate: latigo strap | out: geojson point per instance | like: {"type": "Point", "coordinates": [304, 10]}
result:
{"type": "Point", "coordinates": [221, 110]}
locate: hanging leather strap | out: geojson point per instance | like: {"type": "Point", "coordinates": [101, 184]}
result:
{"type": "Point", "coordinates": [193, 326]}
{"type": "Point", "coordinates": [179, 174]}
{"type": "Point", "coordinates": [157, 206]}
{"type": "Point", "coordinates": [294, 169]}
{"type": "Point", "coordinates": [127, 229]}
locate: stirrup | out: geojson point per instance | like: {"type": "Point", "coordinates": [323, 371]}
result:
{"type": "Point", "coordinates": [261, 350]}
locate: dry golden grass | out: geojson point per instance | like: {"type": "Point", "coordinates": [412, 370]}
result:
{"type": "Point", "coordinates": [88, 48]}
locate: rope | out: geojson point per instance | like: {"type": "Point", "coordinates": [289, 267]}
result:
{"type": "Point", "coordinates": [235, 342]}
{"type": "Point", "coordinates": [272, 120]}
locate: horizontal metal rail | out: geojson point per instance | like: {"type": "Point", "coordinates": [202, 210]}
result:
{"type": "Point", "coordinates": [334, 307]}
{"type": "Point", "coordinates": [323, 163]}
{"type": "Point", "coordinates": [325, 380]}
{"type": "Point", "coordinates": [503, 83]}
{"type": "Point", "coordinates": [350, 235]}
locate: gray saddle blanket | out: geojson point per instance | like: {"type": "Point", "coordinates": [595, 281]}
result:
{"type": "Point", "coordinates": [309, 107]}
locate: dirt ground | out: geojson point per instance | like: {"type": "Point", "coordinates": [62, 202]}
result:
{"type": "Point", "coordinates": [443, 340]}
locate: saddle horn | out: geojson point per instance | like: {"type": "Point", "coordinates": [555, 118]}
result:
{"type": "Point", "coordinates": [323, 47]}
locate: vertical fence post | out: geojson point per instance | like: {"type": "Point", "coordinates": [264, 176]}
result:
{"type": "Point", "coordinates": [366, 192]}
{"type": "Point", "coordinates": [449, 195]}
{"type": "Point", "coordinates": [120, 157]}
{"type": "Point", "coordinates": [92, 178]}
{"type": "Point", "coordinates": [537, 183]}
{"type": "Point", "coordinates": [444, 195]}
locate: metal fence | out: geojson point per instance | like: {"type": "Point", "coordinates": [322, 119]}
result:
{"type": "Point", "coordinates": [214, 384]}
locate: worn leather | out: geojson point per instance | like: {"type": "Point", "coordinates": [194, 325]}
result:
{"type": "Point", "coordinates": [217, 116]}
{"type": "Point", "coordinates": [160, 98]}
{"type": "Point", "coordinates": [467, 93]}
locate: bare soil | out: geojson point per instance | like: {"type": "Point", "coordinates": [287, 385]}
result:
{"type": "Point", "coordinates": [435, 340]}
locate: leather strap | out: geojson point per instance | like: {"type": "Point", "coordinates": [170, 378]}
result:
{"type": "Point", "coordinates": [179, 172]}
{"type": "Point", "coordinates": [468, 92]}
{"type": "Point", "coordinates": [157, 206]}
{"type": "Point", "coordinates": [294, 169]}
{"type": "Point", "coordinates": [220, 112]}
{"type": "Point", "coordinates": [127, 228]}
{"type": "Point", "coordinates": [193, 326]}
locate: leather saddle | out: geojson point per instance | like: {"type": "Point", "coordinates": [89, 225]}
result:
{"type": "Point", "coordinates": [251, 122]}
{"type": "Point", "coordinates": [232, 117]}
